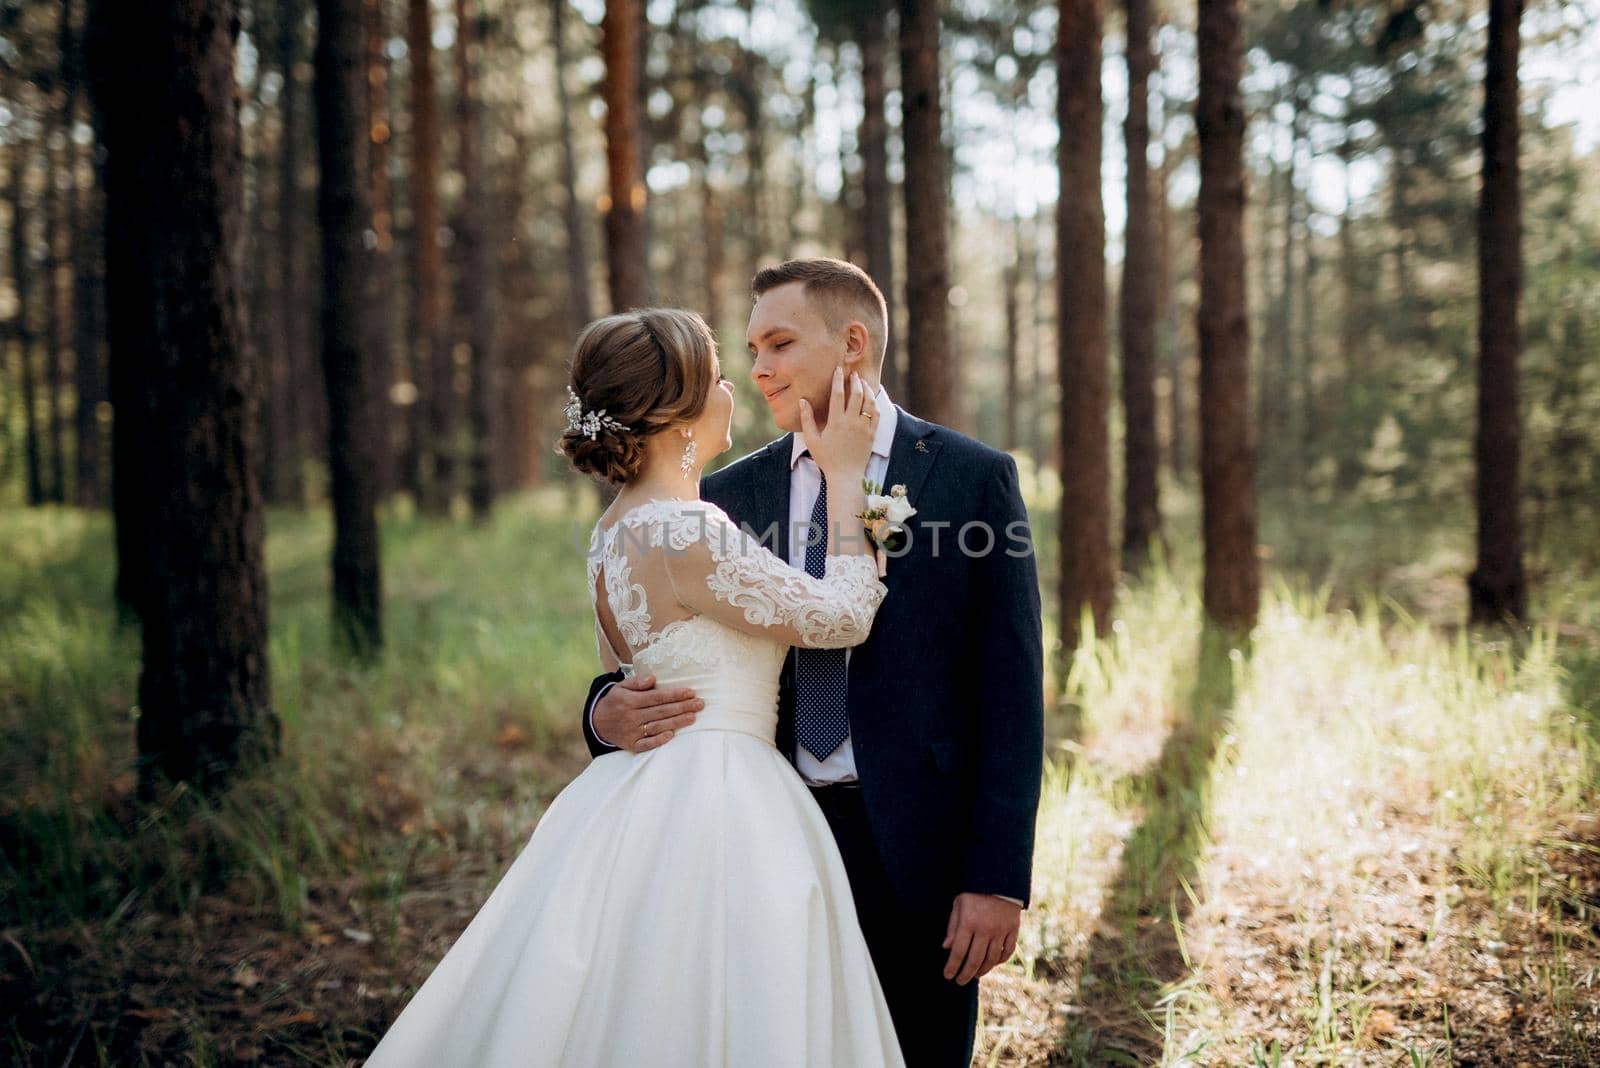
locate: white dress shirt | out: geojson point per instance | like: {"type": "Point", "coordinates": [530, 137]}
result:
{"type": "Point", "coordinates": [805, 480]}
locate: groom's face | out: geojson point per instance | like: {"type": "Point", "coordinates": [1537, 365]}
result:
{"type": "Point", "coordinates": [793, 353]}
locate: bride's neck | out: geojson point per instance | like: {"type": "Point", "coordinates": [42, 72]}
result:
{"type": "Point", "coordinates": [652, 484]}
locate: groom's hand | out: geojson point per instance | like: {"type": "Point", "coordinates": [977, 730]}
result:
{"type": "Point", "coordinates": [983, 933]}
{"type": "Point", "coordinates": [635, 716]}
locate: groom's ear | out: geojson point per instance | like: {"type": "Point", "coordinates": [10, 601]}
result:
{"type": "Point", "coordinates": [856, 340]}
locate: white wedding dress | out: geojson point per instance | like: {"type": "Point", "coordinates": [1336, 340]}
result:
{"type": "Point", "coordinates": [686, 906]}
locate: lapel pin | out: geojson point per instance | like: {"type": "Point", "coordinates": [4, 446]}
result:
{"type": "Point", "coordinates": [922, 446]}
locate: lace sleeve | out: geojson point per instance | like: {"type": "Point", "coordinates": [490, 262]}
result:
{"type": "Point", "coordinates": [719, 570]}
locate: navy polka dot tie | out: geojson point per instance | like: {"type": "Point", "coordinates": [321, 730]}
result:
{"type": "Point", "coordinates": [820, 682]}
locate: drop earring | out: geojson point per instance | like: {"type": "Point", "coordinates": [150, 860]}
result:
{"type": "Point", "coordinates": [687, 463]}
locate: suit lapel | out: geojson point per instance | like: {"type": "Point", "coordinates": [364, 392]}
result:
{"type": "Point", "coordinates": [911, 456]}
{"type": "Point", "coordinates": [910, 459]}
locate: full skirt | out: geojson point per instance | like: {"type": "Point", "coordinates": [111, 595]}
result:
{"type": "Point", "coordinates": [685, 906]}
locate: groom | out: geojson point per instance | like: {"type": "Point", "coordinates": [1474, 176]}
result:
{"type": "Point", "coordinates": [924, 745]}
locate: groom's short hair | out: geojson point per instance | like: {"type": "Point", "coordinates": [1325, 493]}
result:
{"type": "Point", "coordinates": [841, 291]}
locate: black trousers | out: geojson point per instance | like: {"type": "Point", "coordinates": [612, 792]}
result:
{"type": "Point", "coordinates": [935, 1019]}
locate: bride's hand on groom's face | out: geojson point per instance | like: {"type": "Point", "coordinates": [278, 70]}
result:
{"type": "Point", "coordinates": [635, 716]}
{"type": "Point", "coordinates": [842, 445]}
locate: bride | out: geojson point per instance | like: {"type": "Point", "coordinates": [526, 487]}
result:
{"type": "Point", "coordinates": [686, 905]}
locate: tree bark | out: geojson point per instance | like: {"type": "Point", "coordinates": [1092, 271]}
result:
{"type": "Point", "coordinates": [580, 302]}
{"type": "Point", "coordinates": [1232, 583]}
{"type": "Point", "coordinates": [1288, 410]}
{"type": "Point", "coordinates": [56, 206]}
{"type": "Point", "coordinates": [932, 375]}
{"type": "Point", "coordinates": [163, 87]}
{"type": "Point", "coordinates": [18, 153]}
{"type": "Point", "coordinates": [1310, 411]}
{"type": "Point", "coordinates": [876, 203]}
{"type": "Point", "coordinates": [88, 299]}
{"type": "Point", "coordinates": [1497, 586]}
{"type": "Point", "coordinates": [283, 382]}
{"type": "Point", "coordinates": [1167, 314]}
{"type": "Point", "coordinates": [381, 320]}
{"type": "Point", "coordinates": [627, 250]}
{"type": "Point", "coordinates": [711, 229]}
{"type": "Point", "coordinates": [1036, 320]}
{"type": "Point", "coordinates": [477, 285]}
{"type": "Point", "coordinates": [1269, 393]}
{"type": "Point", "coordinates": [435, 418]}
{"type": "Point", "coordinates": [1141, 523]}
{"type": "Point", "coordinates": [1010, 281]}
{"type": "Point", "coordinates": [747, 88]}
{"type": "Point", "coordinates": [344, 209]}
{"type": "Point", "coordinates": [1082, 349]}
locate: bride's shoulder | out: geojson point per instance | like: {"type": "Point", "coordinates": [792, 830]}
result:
{"type": "Point", "coordinates": [677, 523]}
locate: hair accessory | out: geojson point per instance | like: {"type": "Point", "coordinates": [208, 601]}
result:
{"type": "Point", "coordinates": [590, 423]}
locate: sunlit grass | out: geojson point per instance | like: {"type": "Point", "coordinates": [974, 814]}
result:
{"type": "Point", "coordinates": [1350, 858]}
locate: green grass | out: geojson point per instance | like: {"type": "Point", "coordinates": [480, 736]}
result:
{"type": "Point", "coordinates": [443, 749]}
{"type": "Point", "coordinates": [1295, 854]}
{"type": "Point", "coordinates": [1231, 841]}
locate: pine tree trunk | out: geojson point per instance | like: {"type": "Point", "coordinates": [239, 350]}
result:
{"type": "Point", "coordinates": [381, 319]}
{"type": "Point", "coordinates": [877, 208]}
{"type": "Point", "coordinates": [344, 210]}
{"type": "Point", "coordinates": [55, 218]}
{"type": "Point", "coordinates": [747, 88]}
{"type": "Point", "coordinates": [1269, 391]}
{"type": "Point", "coordinates": [256, 277]}
{"type": "Point", "coordinates": [580, 303]}
{"type": "Point", "coordinates": [86, 222]}
{"type": "Point", "coordinates": [932, 389]}
{"type": "Point", "coordinates": [627, 251]}
{"type": "Point", "coordinates": [1310, 412]}
{"type": "Point", "coordinates": [1285, 429]}
{"type": "Point", "coordinates": [711, 230]}
{"type": "Point", "coordinates": [436, 384]}
{"type": "Point", "coordinates": [1400, 178]}
{"type": "Point", "coordinates": [1167, 314]}
{"type": "Point", "coordinates": [88, 301]}
{"type": "Point", "coordinates": [1010, 276]}
{"type": "Point", "coordinates": [1497, 587]}
{"type": "Point", "coordinates": [1036, 319]}
{"type": "Point", "coordinates": [476, 284]}
{"type": "Point", "coordinates": [1082, 348]}
{"type": "Point", "coordinates": [288, 430]}
{"type": "Point", "coordinates": [163, 87]}
{"type": "Point", "coordinates": [1232, 583]}
{"type": "Point", "coordinates": [524, 409]}
{"type": "Point", "coordinates": [1141, 522]}
{"type": "Point", "coordinates": [1351, 353]}
{"type": "Point", "coordinates": [19, 153]}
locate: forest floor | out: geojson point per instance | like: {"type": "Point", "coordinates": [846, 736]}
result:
{"type": "Point", "coordinates": [1372, 839]}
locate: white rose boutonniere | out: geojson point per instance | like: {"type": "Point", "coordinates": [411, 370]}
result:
{"type": "Point", "coordinates": [885, 518]}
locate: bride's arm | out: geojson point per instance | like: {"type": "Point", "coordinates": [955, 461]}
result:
{"type": "Point", "coordinates": [722, 572]}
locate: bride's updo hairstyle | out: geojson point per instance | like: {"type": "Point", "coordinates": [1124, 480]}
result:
{"type": "Point", "coordinates": [647, 370]}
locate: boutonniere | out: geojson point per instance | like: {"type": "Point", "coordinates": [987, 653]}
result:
{"type": "Point", "coordinates": [884, 519]}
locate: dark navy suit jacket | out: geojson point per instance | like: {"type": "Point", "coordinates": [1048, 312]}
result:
{"type": "Point", "coordinates": [946, 694]}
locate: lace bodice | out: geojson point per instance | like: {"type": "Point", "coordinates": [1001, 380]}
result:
{"type": "Point", "coordinates": [668, 561]}
{"type": "Point", "coordinates": [700, 602]}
